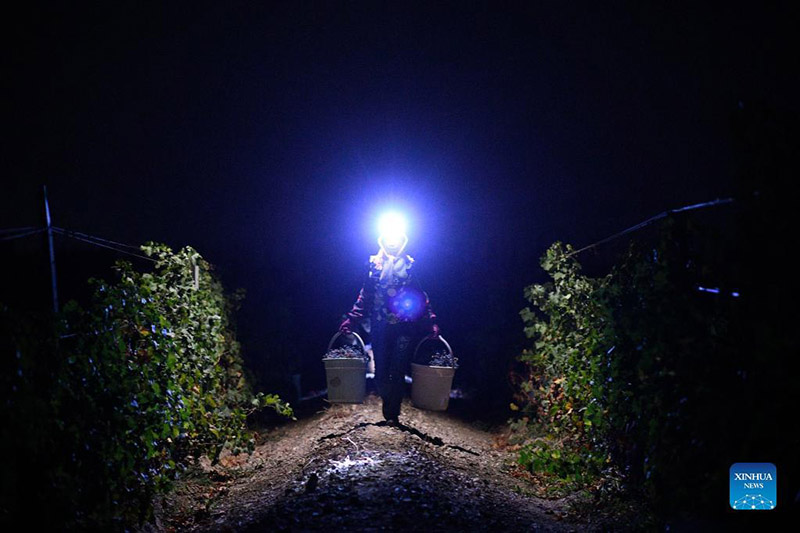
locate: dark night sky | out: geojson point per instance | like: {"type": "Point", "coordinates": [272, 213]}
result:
{"type": "Point", "coordinates": [269, 135]}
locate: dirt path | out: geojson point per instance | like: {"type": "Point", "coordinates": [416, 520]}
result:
{"type": "Point", "coordinates": [345, 469]}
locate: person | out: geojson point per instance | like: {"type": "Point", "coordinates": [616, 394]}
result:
{"type": "Point", "coordinates": [396, 313]}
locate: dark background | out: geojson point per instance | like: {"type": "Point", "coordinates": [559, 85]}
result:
{"type": "Point", "coordinates": [270, 136]}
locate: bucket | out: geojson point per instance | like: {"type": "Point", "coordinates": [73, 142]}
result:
{"type": "Point", "coordinates": [430, 385]}
{"type": "Point", "coordinates": [346, 378]}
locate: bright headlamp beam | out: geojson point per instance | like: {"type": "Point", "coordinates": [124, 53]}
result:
{"type": "Point", "coordinates": [392, 227]}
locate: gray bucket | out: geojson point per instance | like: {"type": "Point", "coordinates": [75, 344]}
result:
{"type": "Point", "coordinates": [346, 378]}
{"type": "Point", "coordinates": [430, 385]}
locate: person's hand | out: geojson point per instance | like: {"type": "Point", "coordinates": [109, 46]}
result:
{"type": "Point", "coordinates": [346, 327]}
{"type": "Point", "coordinates": [434, 332]}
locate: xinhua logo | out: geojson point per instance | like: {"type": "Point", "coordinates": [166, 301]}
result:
{"type": "Point", "coordinates": [753, 486]}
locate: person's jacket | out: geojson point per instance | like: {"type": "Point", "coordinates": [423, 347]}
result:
{"type": "Point", "coordinates": [395, 301]}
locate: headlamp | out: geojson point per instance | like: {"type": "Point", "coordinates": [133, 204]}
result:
{"type": "Point", "coordinates": [392, 224]}
{"type": "Point", "coordinates": [392, 227]}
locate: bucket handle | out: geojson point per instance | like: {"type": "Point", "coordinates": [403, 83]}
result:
{"type": "Point", "coordinates": [353, 333]}
{"type": "Point", "coordinates": [428, 338]}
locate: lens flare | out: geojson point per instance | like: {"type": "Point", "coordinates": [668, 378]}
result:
{"type": "Point", "coordinates": [407, 303]}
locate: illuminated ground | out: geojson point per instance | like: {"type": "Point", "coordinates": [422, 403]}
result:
{"type": "Point", "coordinates": [343, 469]}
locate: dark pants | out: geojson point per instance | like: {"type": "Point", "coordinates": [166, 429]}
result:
{"type": "Point", "coordinates": [393, 346]}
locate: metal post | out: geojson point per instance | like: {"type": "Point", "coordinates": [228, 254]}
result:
{"type": "Point", "coordinates": [52, 252]}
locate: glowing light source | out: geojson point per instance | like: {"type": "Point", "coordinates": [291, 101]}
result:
{"type": "Point", "coordinates": [392, 228]}
{"type": "Point", "coordinates": [392, 225]}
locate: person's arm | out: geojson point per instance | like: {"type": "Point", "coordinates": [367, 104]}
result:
{"type": "Point", "coordinates": [430, 317]}
{"type": "Point", "coordinates": [355, 315]}
{"type": "Point", "coordinates": [361, 308]}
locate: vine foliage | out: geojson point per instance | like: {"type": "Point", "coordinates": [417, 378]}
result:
{"type": "Point", "coordinates": [624, 373]}
{"type": "Point", "coordinates": [129, 389]}
{"type": "Point", "coordinates": [564, 389]}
